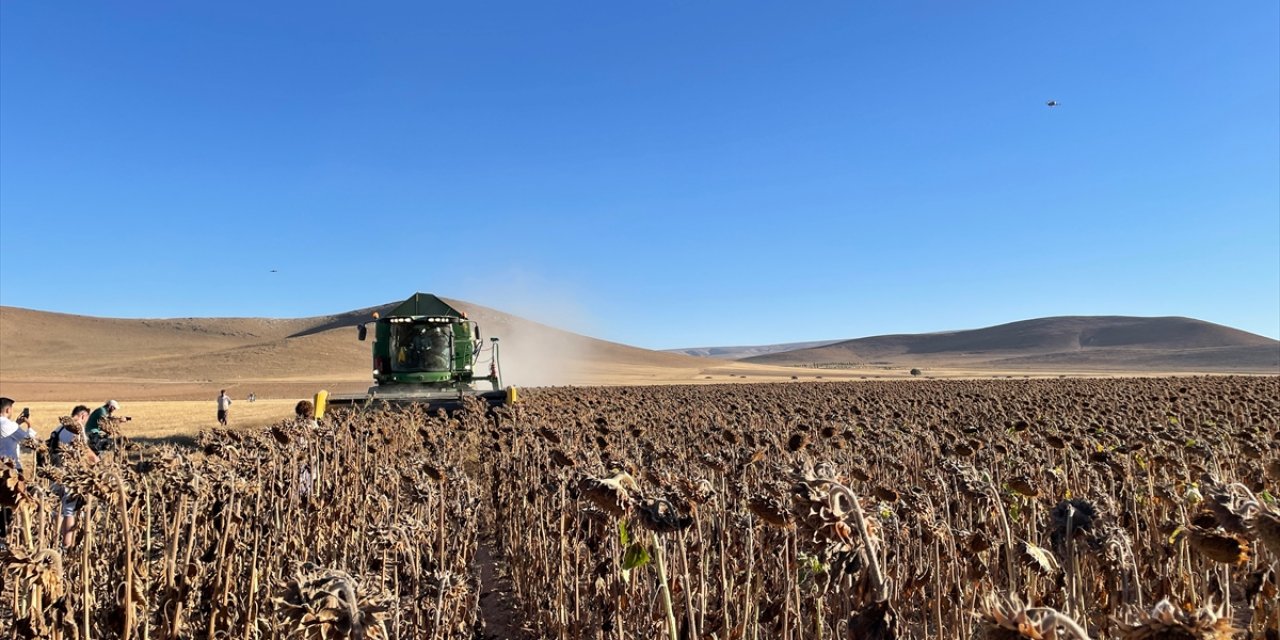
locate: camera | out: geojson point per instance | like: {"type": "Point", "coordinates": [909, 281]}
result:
{"type": "Point", "coordinates": [26, 413]}
{"type": "Point", "coordinates": [128, 418]}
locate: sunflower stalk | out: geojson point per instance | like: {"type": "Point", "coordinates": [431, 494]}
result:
{"type": "Point", "coordinates": [879, 585]}
{"type": "Point", "coordinates": [660, 561]}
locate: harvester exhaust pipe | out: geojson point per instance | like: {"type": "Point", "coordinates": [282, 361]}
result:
{"type": "Point", "coordinates": [494, 371]}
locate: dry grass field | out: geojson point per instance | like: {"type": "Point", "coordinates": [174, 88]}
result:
{"type": "Point", "coordinates": [155, 420]}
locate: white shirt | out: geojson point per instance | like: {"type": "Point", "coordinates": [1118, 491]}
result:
{"type": "Point", "coordinates": [224, 403]}
{"type": "Point", "coordinates": [11, 435]}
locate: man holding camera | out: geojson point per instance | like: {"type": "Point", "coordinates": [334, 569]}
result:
{"type": "Point", "coordinates": [13, 432]}
{"type": "Point", "coordinates": [98, 440]}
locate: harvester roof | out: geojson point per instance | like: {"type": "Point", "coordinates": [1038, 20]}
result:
{"type": "Point", "coordinates": [424, 304]}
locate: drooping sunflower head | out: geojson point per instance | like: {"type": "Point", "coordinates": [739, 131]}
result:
{"type": "Point", "coordinates": [1167, 622]}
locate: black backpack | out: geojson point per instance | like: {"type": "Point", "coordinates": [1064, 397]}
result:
{"type": "Point", "coordinates": [51, 454]}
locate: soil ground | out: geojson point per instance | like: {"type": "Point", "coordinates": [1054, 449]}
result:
{"type": "Point", "coordinates": [499, 615]}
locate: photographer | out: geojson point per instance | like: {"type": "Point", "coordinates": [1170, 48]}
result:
{"type": "Point", "coordinates": [95, 429]}
{"type": "Point", "coordinates": [12, 433]}
{"type": "Point", "coordinates": [70, 440]}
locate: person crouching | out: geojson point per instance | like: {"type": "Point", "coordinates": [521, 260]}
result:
{"type": "Point", "coordinates": [70, 439]}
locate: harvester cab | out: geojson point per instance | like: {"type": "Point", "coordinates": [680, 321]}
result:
{"type": "Point", "coordinates": [426, 352]}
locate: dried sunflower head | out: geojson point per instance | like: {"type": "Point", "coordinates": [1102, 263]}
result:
{"type": "Point", "coordinates": [1071, 518]}
{"type": "Point", "coordinates": [610, 494]}
{"type": "Point", "coordinates": [1023, 486]}
{"type": "Point", "coordinates": [700, 492]}
{"type": "Point", "coordinates": [1166, 622]}
{"type": "Point", "coordinates": [660, 516]}
{"type": "Point", "coordinates": [876, 621]}
{"type": "Point", "coordinates": [561, 458]}
{"type": "Point", "coordinates": [13, 487]}
{"type": "Point", "coordinates": [886, 494]}
{"type": "Point", "coordinates": [797, 442]}
{"type": "Point", "coordinates": [323, 603]}
{"type": "Point", "coordinates": [1266, 526]}
{"type": "Point", "coordinates": [1219, 547]}
{"type": "Point", "coordinates": [434, 473]}
{"type": "Point", "coordinates": [1038, 558]}
{"type": "Point", "coordinates": [771, 512]}
{"type": "Point", "coordinates": [1224, 508]}
{"type": "Point", "coordinates": [40, 568]}
{"type": "Point", "coordinates": [1008, 619]}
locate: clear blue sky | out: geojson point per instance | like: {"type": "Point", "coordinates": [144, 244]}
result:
{"type": "Point", "coordinates": [662, 174]}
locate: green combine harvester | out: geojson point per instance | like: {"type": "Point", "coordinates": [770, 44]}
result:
{"type": "Point", "coordinates": [425, 352]}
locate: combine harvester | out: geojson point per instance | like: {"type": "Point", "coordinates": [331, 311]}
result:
{"type": "Point", "coordinates": [425, 353]}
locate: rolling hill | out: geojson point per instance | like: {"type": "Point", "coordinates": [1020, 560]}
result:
{"type": "Point", "coordinates": [1070, 343]}
{"type": "Point", "coordinates": [55, 355]}
{"type": "Point", "coordinates": [47, 355]}
{"type": "Point", "coordinates": [738, 353]}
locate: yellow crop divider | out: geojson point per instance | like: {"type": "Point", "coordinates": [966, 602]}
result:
{"type": "Point", "coordinates": [322, 397]}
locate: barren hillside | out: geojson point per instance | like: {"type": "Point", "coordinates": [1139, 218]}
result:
{"type": "Point", "coordinates": [55, 355]}
{"type": "Point", "coordinates": [1104, 343]}
{"type": "Point", "coordinates": [741, 352]}
{"type": "Point", "coordinates": [45, 355]}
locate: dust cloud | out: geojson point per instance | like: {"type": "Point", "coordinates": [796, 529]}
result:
{"type": "Point", "coordinates": [529, 316]}
{"type": "Point", "coordinates": [534, 356]}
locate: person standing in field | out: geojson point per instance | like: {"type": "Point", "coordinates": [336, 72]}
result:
{"type": "Point", "coordinates": [12, 433]}
{"type": "Point", "coordinates": [95, 430]}
{"type": "Point", "coordinates": [306, 414]}
{"type": "Point", "coordinates": [224, 407]}
{"type": "Point", "coordinates": [70, 437]}
{"type": "Point", "coordinates": [306, 418]}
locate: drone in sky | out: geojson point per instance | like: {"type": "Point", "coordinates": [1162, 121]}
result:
{"type": "Point", "coordinates": [1051, 104]}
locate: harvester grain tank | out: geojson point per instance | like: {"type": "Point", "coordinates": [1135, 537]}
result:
{"type": "Point", "coordinates": [425, 352]}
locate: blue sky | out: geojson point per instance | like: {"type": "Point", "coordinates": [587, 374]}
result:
{"type": "Point", "coordinates": [662, 174]}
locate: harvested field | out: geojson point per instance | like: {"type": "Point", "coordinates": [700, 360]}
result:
{"type": "Point", "coordinates": [1121, 508]}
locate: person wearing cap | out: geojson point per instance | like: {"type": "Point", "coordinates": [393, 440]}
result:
{"type": "Point", "coordinates": [94, 428]}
